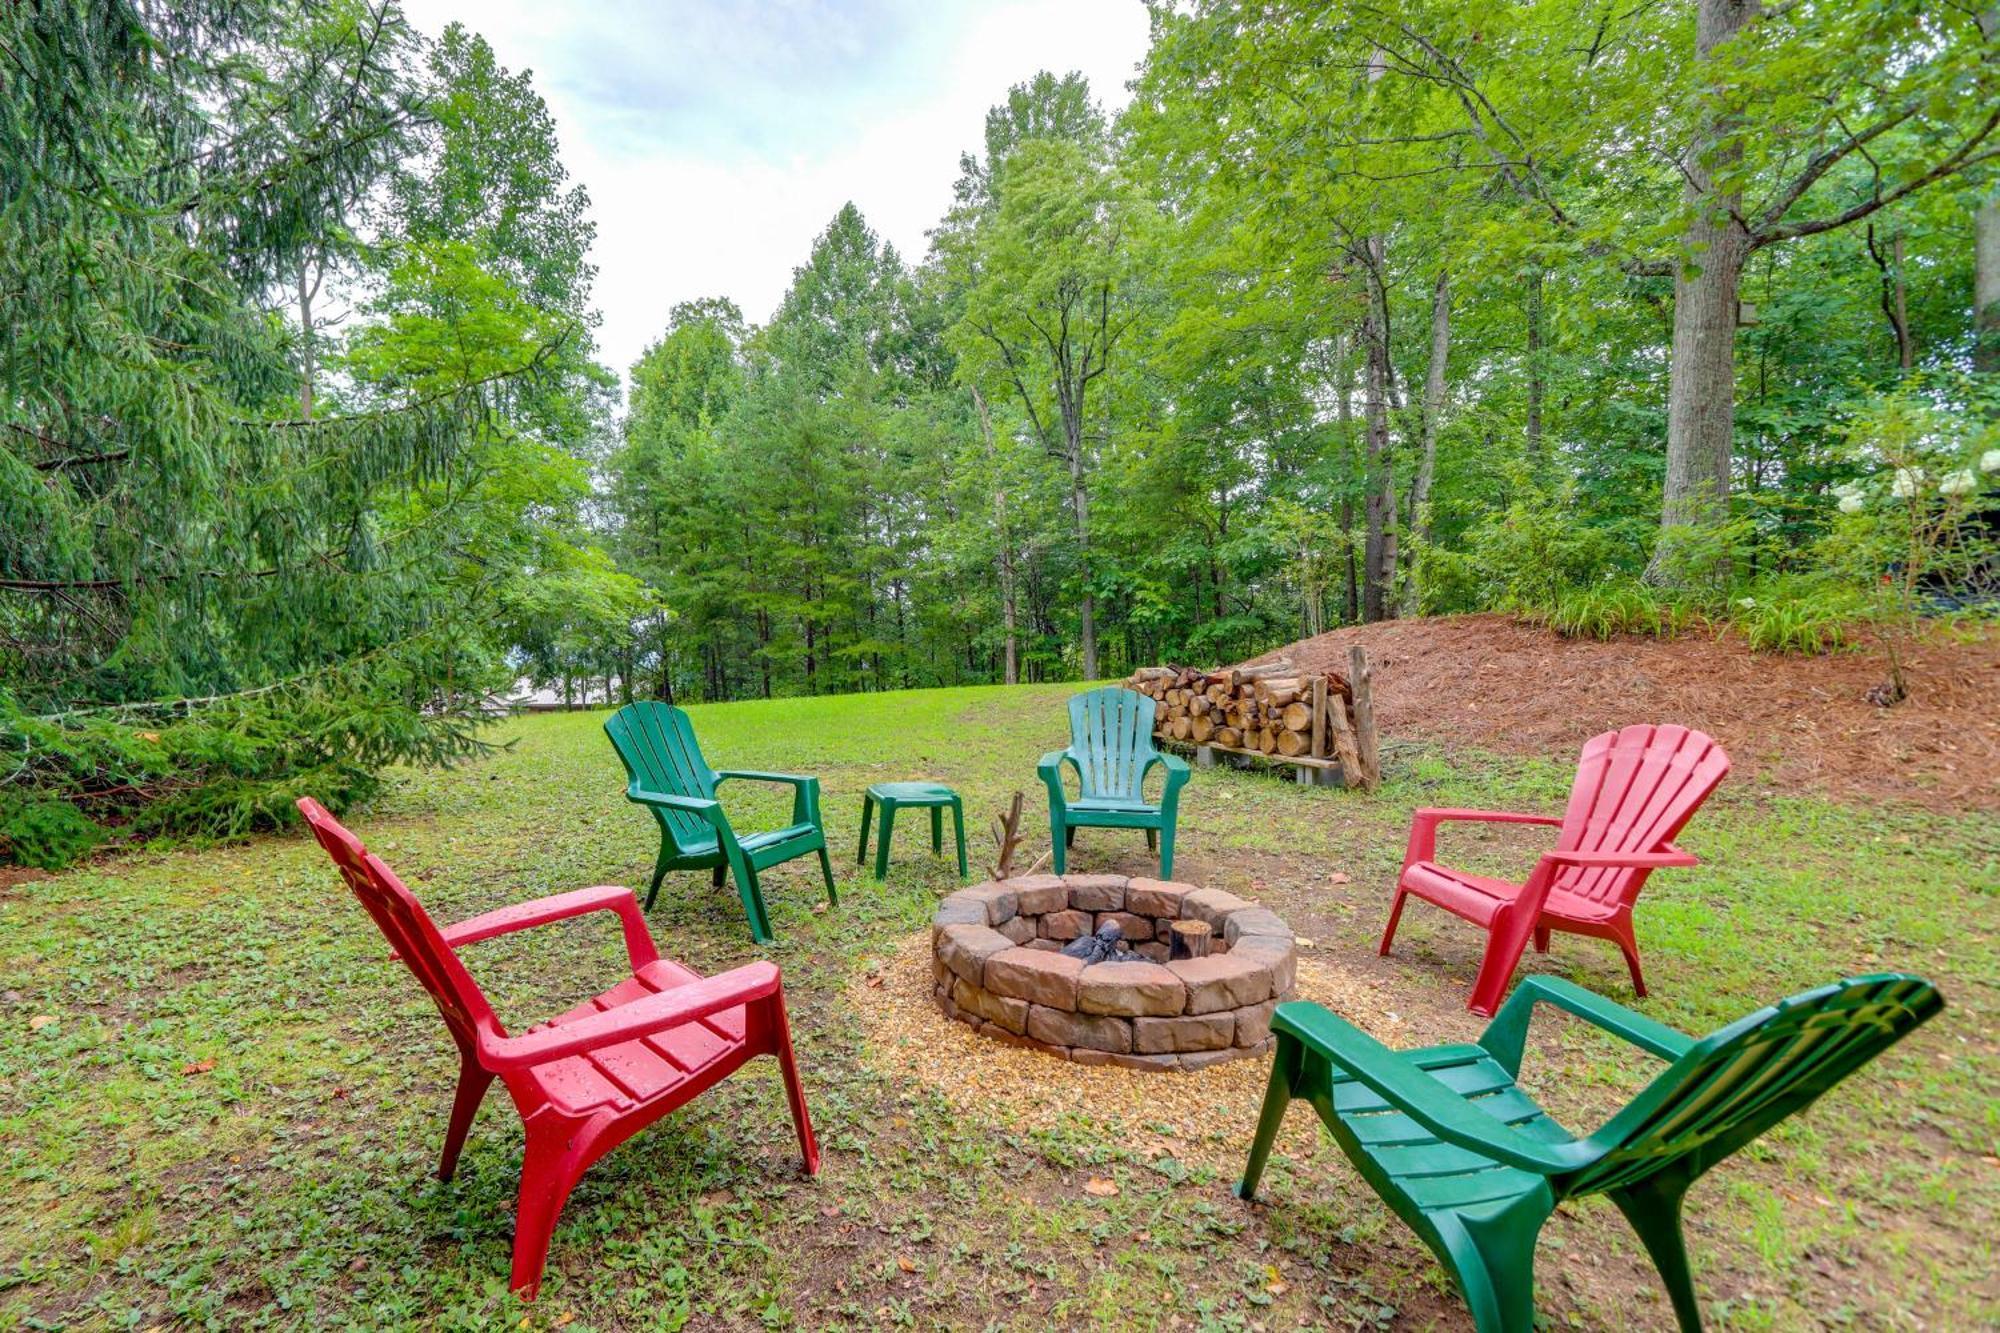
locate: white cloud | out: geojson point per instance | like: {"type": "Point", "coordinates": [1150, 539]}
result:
{"type": "Point", "coordinates": [717, 139]}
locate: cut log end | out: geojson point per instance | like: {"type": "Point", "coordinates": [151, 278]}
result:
{"type": "Point", "coordinates": [1190, 939]}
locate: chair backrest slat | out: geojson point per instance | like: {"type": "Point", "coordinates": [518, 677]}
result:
{"type": "Point", "coordinates": [1739, 1081]}
{"type": "Point", "coordinates": [1111, 735]}
{"type": "Point", "coordinates": [407, 926]}
{"type": "Point", "coordinates": [1635, 789]}
{"type": "Point", "coordinates": [657, 746]}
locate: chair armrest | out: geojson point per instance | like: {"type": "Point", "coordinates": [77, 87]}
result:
{"type": "Point", "coordinates": [805, 797]}
{"type": "Point", "coordinates": [1506, 1037]}
{"type": "Point", "coordinates": [1177, 775]}
{"type": "Point", "coordinates": [1673, 856]}
{"type": "Point", "coordinates": [1442, 814]}
{"type": "Point", "coordinates": [1424, 824]}
{"type": "Point", "coordinates": [1050, 767]}
{"type": "Point", "coordinates": [757, 775]}
{"type": "Point", "coordinates": [694, 805]}
{"type": "Point", "coordinates": [561, 907]}
{"type": "Point", "coordinates": [657, 1012]}
{"type": "Point", "coordinates": [1416, 1094]}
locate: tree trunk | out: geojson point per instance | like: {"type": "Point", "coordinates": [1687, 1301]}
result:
{"type": "Point", "coordinates": [1433, 409]}
{"type": "Point", "coordinates": [1986, 283]}
{"type": "Point", "coordinates": [1537, 382]}
{"type": "Point", "coordinates": [1986, 250]}
{"type": "Point", "coordinates": [1701, 388]}
{"type": "Point", "coordinates": [1079, 497]}
{"type": "Point", "coordinates": [1895, 298]}
{"type": "Point", "coordinates": [1351, 595]}
{"type": "Point", "coordinates": [1379, 557]}
{"type": "Point", "coordinates": [308, 359]}
{"type": "Point", "coordinates": [1004, 542]}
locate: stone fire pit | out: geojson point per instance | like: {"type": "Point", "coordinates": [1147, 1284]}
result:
{"type": "Point", "coordinates": [998, 966]}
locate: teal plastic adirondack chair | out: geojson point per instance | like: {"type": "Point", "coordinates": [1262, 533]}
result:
{"type": "Point", "coordinates": [1111, 748]}
{"type": "Point", "coordinates": [668, 776]}
{"type": "Point", "coordinates": [1475, 1167]}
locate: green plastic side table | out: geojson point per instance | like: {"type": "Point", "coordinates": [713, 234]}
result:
{"type": "Point", "coordinates": [892, 796]}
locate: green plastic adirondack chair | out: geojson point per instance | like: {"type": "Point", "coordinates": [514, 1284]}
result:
{"type": "Point", "coordinates": [668, 776]}
{"type": "Point", "coordinates": [1475, 1167]}
{"type": "Point", "coordinates": [1111, 748]}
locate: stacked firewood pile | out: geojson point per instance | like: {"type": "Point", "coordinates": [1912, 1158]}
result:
{"type": "Point", "coordinates": [1273, 709]}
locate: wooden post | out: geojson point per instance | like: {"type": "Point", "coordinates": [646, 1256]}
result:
{"type": "Point", "coordinates": [1344, 747]}
{"type": "Point", "coordinates": [1366, 743]}
{"type": "Point", "coordinates": [1204, 757]}
{"type": "Point", "coordinates": [1319, 716]}
{"type": "Point", "coordinates": [1189, 939]}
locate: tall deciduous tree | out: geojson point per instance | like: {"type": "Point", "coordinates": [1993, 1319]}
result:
{"type": "Point", "coordinates": [1038, 242]}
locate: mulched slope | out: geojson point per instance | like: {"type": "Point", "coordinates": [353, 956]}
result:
{"type": "Point", "coordinates": [1786, 721]}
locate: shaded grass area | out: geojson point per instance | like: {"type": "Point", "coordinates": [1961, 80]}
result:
{"type": "Point", "coordinates": [220, 1105]}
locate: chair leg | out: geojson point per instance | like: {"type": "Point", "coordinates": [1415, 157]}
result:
{"type": "Point", "coordinates": [1166, 851]}
{"type": "Point", "coordinates": [719, 876]}
{"type": "Point", "coordinates": [659, 873]}
{"type": "Point", "coordinates": [937, 830]}
{"type": "Point", "coordinates": [826, 873]}
{"type": "Point", "coordinates": [882, 841]}
{"type": "Point", "coordinates": [1069, 835]}
{"type": "Point", "coordinates": [1285, 1066]}
{"type": "Point", "coordinates": [751, 893]}
{"type": "Point", "coordinates": [1153, 840]}
{"type": "Point", "coordinates": [1541, 939]}
{"type": "Point", "coordinates": [1505, 942]}
{"type": "Point", "coordinates": [958, 833]}
{"type": "Point", "coordinates": [867, 817]}
{"type": "Point", "coordinates": [1493, 1258]}
{"type": "Point", "coordinates": [795, 1094]}
{"type": "Point", "coordinates": [1629, 946]}
{"type": "Point", "coordinates": [1395, 916]}
{"type": "Point", "coordinates": [1654, 1210]}
{"type": "Point", "coordinates": [1058, 842]}
{"type": "Point", "coordinates": [549, 1171]}
{"type": "Point", "coordinates": [472, 1084]}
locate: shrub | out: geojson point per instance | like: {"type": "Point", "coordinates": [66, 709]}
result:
{"type": "Point", "coordinates": [1808, 620]}
{"type": "Point", "coordinates": [1607, 610]}
{"type": "Point", "coordinates": [44, 833]}
{"type": "Point", "coordinates": [1526, 557]}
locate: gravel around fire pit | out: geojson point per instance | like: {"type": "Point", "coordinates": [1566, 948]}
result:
{"type": "Point", "coordinates": [1203, 1117]}
{"type": "Point", "coordinates": [1011, 963]}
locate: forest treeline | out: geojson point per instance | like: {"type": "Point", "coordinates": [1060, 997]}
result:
{"type": "Point", "coordinates": [1627, 317]}
{"type": "Point", "coordinates": [1352, 313]}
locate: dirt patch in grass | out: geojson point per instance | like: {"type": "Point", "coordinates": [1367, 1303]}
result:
{"type": "Point", "coordinates": [1788, 721]}
{"type": "Point", "coordinates": [14, 876]}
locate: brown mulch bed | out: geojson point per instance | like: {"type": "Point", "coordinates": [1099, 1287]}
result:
{"type": "Point", "coordinates": [1206, 1117]}
{"type": "Point", "coordinates": [1787, 721]}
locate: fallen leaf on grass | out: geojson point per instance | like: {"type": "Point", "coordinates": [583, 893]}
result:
{"type": "Point", "coordinates": [907, 1264]}
{"type": "Point", "coordinates": [40, 1021]}
{"type": "Point", "coordinates": [198, 1067]}
{"type": "Point", "coordinates": [1274, 1283]}
{"type": "Point", "coordinates": [1340, 877]}
{"type": "Point", "coordinates": [1099, 1187]}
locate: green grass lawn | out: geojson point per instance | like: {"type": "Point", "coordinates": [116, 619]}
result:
{"type": "Point", "coordinates": [220, 1105]}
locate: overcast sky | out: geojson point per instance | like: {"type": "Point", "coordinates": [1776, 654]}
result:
{"type": "Point", "coordinates": [717, 139]}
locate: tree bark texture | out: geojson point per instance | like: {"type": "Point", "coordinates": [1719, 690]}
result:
{"type": "Point", "coordinates": [1701, 386]}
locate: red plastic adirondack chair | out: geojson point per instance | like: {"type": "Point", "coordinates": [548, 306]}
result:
{"type": "Point", "coordinates": [1635, 790]}
{"type": "Point", "coordinates": [590, 1079]}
